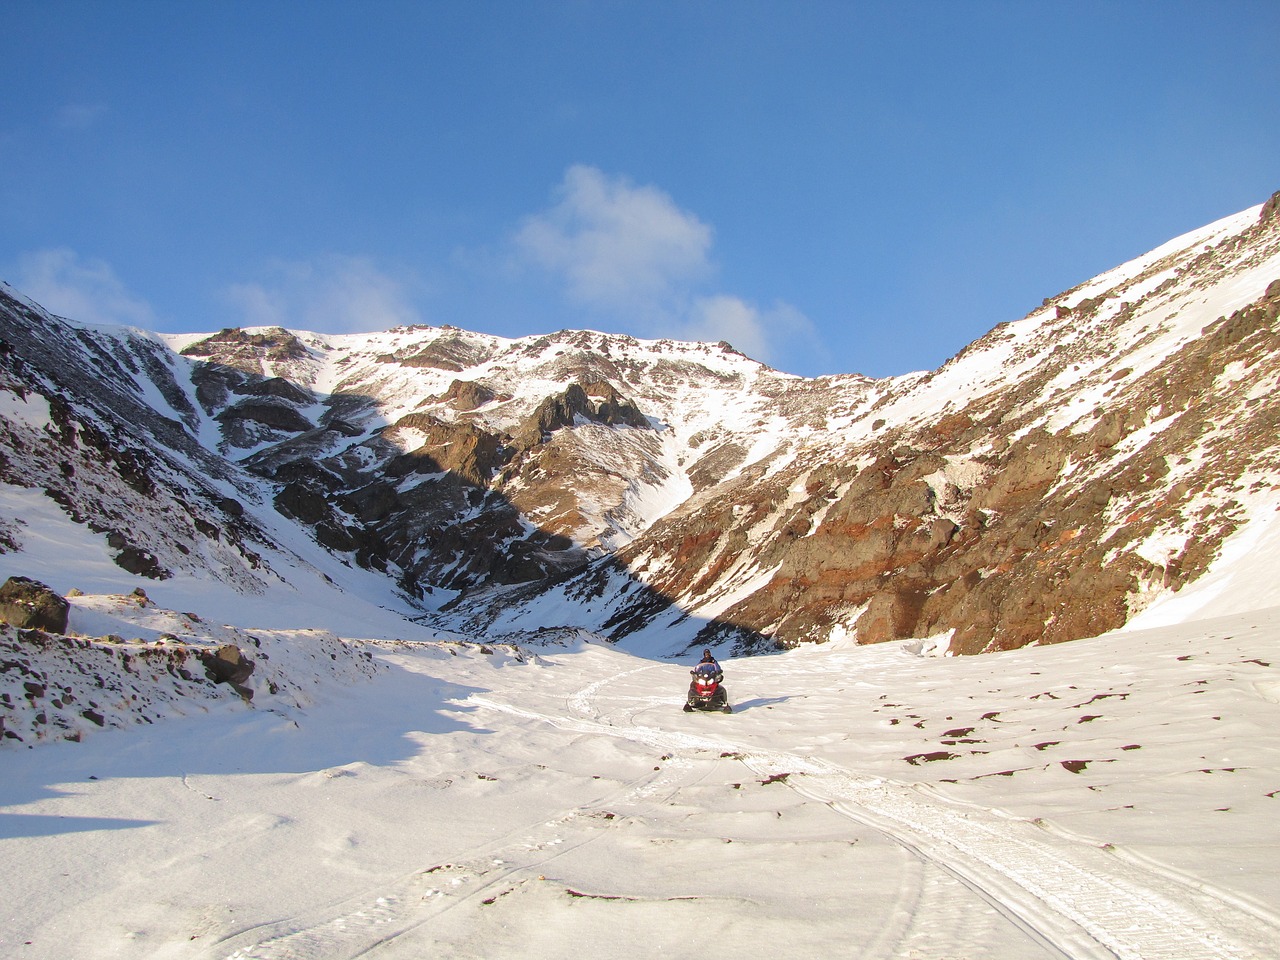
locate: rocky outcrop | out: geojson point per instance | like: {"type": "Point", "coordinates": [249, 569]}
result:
{"type": "Point", "coordinates": [466, 395]}
{"type": "Point", "coordinates": [452, 349]}
{"type": "Point", "coordinates": [135, 559]}
{"type": "Point", "coordinates": [277, 387]}
{"type": "Point", "coordinates": [595, 402]}
{"type": "Point", "coordinates": [29, 604]}
{"type": "Point", "coordinates": [1270, 209]}
{"type": "Point", "coordinates": [274, 416]}
{"type": "Point", "coordinates": [462, 449]}
{"type": "Point", "coordinates": [249, 352]}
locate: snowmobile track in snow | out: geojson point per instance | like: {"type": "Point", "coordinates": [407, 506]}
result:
{"type": "Point", "coordinates": [1077, 900]}
{"type": "Point", "coordinates": [363, 924]}
{"type": "Point", "coordinates": [1080, 900]}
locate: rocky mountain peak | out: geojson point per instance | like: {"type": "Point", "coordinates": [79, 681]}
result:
{"type": "Point", "coordinates": [256, 352]}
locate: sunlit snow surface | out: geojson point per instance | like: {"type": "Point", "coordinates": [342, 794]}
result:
{"type": "Point", "coordinates": [1108, 797]}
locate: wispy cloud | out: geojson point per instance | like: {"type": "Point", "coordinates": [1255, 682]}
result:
{"type": "Point", "coordinates": [617, 246]}
{"type": "Point", "coordinates": [765, 334]}
{"type": "Point", "coordinates": [333, 293]}
{"type": "Point", "coordinates": [79, 116]}
{"type": "Point", "coordinates": [85, 289]}
{"type": "Point", "coordinates": [632, 253]}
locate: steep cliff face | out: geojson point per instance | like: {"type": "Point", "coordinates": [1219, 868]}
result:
{"type": "Point", "coordinates": [1042, 485]}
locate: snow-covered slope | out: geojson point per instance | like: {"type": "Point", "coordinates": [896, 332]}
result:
{"type": "Point", "coordinates": [1046, 484]}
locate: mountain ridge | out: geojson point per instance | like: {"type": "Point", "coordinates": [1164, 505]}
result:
{"type": "Point", "coordinates": [668, 494]}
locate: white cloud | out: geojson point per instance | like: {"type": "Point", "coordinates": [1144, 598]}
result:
{"type": "Point", "coordinates": [333, 293]}
{"type": "Point", "coordinates": [767, 335]}
{"type": "Point", "coordinates": [79, 116]}
{"type": "Point", "coordinates": [617, 246]}
{"type": "Point", "coordinates": [728, 318]}
{"type": "Point", "coordinates": [630, 252]}
{"type": "Point", "coordinates": [83, 289]}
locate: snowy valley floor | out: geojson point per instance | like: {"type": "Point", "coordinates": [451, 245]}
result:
{"type": "Point", "coordinates": [1116, 797]}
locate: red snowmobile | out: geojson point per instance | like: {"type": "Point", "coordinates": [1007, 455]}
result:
{"type": "Point", "coordinates": [705, 692]}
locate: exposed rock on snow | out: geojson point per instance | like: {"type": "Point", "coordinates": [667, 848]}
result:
{"type": "Point", "coordinates": [148, 663]}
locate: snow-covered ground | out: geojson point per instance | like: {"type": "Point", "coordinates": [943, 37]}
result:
{"type": "Point", "coordinates": [1114, 797]}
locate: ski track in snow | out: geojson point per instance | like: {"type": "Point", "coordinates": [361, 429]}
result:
{"type": "Point", "coordinates": [363, 924]}
{"type": "Point", "coordinates": [1076, 899]}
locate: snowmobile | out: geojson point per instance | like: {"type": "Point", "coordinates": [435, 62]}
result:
{"type": "Point", "coordinates": [705, 692]}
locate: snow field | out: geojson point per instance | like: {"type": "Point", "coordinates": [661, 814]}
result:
{"type": "Point", "coordinates": [1109, 797]}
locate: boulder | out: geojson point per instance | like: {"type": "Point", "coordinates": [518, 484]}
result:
{"type": "Point", "coordinates": [229, 665]}
{"type": "Point", "coordinates": [27, 603]}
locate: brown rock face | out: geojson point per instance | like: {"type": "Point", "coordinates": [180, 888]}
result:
{"type": "Point", "coordinates": [1270, 209]}
{"type": "Point", "coordinates": [462, 449]}
{"type": "Point", "coordinates": [465, 395]}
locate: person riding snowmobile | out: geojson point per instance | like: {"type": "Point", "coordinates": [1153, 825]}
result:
{"type": "Point", "coordinates": [705, 692]}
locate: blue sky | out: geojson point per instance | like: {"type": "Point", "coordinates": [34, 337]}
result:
{"type": "Point", "coordinates": [834, 187]}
